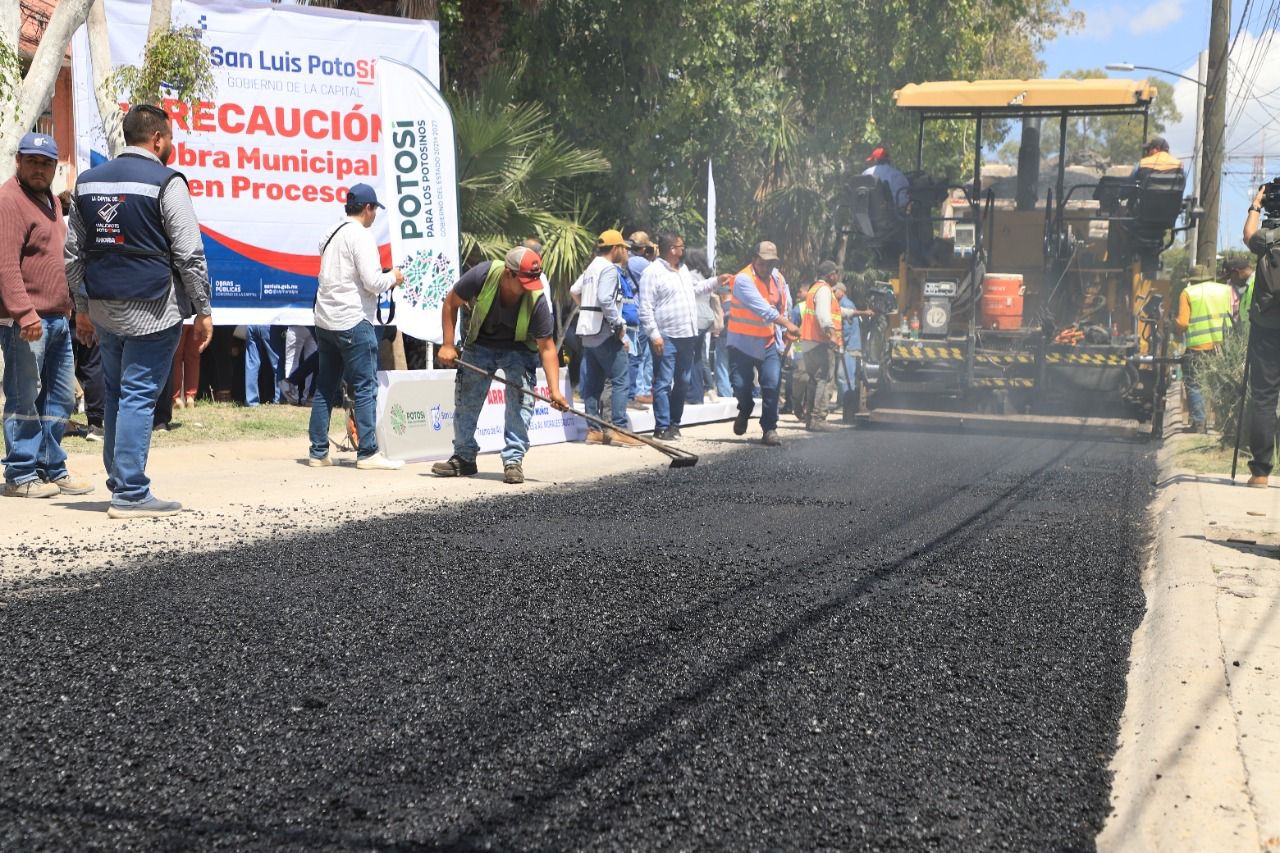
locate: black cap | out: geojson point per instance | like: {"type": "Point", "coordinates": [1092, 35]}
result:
{"type": "Point", "coordinates": [826, 268]}
{"type": "Point", "coordinates": [1234, 264]}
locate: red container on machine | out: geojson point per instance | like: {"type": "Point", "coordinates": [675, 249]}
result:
{"type": "Point", "coordinates": [1001, 305]}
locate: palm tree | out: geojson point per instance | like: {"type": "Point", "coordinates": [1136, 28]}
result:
{"type": "Point", "coordinates": [512, 171]}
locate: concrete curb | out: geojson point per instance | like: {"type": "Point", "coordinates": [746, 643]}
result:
{"type": "Point", "coordinates": [1198, 761]}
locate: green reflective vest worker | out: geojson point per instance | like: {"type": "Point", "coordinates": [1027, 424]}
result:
{"type": "Point", "coordinates": [1246, 299]}
{"type": "Point", "coordinates": [1210, 314]}
{"type": "Point", "coordinates": [485, 301]}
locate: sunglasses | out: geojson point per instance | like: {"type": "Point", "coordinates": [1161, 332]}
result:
{"type": "Point", "coordinates": [530, 274]}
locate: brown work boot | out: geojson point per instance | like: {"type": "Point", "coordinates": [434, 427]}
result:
{"type": "Point", "coordinates": [69, 485]}
{"type": "Point", "coordinates": [596, 436]}
{"type": "Point", "coordinates": [619, 440]}
{"type": "Point", "coordinates": [647, 399]}
{"type": "Point", "coordinates": [770, 439]}
{"type": "Point", "coordinates": [1258, 481]}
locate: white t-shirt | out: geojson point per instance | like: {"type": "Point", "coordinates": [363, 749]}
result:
{"type": "Point", "coordinates": [351, 277]}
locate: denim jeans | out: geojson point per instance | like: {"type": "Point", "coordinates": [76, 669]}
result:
{"type": "Point", "coordinates": [671, 375]}
{"type": "Point", "coordinates": [642, 365]}
{"type": "Point", "coordinates": [720, 355]}
{"type": "Point", "coordinates": [471, 389]}
{"type": "Point", "coordinates": [1191, 369]}
{"type": "Point", "coordinates": [39, 395]}
{"type": "Point", "coordinates": [135, 372]}
{"type": "Point", "coordinates": [633, 361]}
{"type": "Point", "coordinates": [350, 356]}
{"type": "Point", "coordinates": [257, 341]}
{"type": "Point", "coordinates": [606, 361]}
{"type": "Point", "coordinates": [698, 373]}
{"type": "Point", "coordinates": [743, 368]}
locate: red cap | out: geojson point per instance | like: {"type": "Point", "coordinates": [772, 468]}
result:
{"type": "Point", "coordinates": [877, 154]}
{"type": "Point", "coordinates": [527, 265]}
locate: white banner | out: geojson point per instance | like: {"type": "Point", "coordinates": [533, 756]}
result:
{"type": "Point", "coordinates": [294, 122]}
{"type": "Point", "coordinates": [422, 198]}
{"type": "Point", "coordinates": [415, 416]}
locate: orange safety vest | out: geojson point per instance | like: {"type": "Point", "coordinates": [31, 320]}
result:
{"type": "Point", "coordinates": [809, 328]}
{"type": "Point", "coordinates": [744, 321]}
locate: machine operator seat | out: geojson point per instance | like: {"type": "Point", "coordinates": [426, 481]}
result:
{"type": "Point", "coordinates": [876, 221]}
{"type": "Point", "coordinates": [1155, 207]}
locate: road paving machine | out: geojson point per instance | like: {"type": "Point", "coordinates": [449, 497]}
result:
{"type": "Point", "coordinates": [1017, 293]}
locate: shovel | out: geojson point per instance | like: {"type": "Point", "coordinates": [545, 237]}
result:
{"type": "Point", "coordinates": [679, 458]}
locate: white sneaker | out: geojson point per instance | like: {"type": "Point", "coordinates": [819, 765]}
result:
{"type": "Point", "coordinates": [378, 462]}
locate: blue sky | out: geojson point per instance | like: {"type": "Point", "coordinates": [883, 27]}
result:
{"type": "Point", "coordinates": [1170, 34]}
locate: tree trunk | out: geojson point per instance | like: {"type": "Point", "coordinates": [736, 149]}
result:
{"type": "Point", "coordinates": [37, 84]}
{"type": "Point", "coordinates": [100, 54]}
{"type": "Point", "coordinates": [161, 15]}
{"type": "Point", "coordinates": [484, 27]}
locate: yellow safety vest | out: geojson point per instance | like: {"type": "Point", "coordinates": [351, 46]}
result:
{"type": "Point", "coordinates": [1210, 312]}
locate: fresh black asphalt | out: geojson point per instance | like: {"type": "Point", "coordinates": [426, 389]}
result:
{"type": "Point", "coordinates": [876, 639]}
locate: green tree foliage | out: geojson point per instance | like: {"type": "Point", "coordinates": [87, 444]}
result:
{"type": "Point", "coordinates": [175, 64]}
{"type": "Point", "coordinates": [1112, 140]}
{"type": "Point", "coordinates": [513, 177]}
{"type": "Point", "coordinates": [784, 96]}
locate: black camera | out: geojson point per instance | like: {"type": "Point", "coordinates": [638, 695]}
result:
{"type": "Point", "coordinates": [1271, 199]}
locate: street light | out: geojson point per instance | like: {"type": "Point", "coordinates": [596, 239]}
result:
{"type": "Point", "coordinates": [1129, 66]}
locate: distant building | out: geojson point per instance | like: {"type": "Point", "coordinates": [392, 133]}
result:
{"type": "Point", "coordinates": [56, 118]}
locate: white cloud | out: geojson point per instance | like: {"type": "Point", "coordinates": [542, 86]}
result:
{"type": "Point", "coordinates": [1104, 22]}
{"type": "Point", "coordinates": [1160, 15]}
{"type": "Point", "coordinates": [1252, 129]}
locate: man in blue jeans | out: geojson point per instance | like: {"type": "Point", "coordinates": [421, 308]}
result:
{"type": "Point", "coordinates": [510, 329]}
{"type": "Point", "coordinates": [351, 280]}
{"type": "Point", "coordinates": [760, 305]}
{"type": "Point", "coordinates": [602, 329]}
{"type": "Point", "coordinates": [135, 265]}
{"type": "Point", "coordinates": [668, 312]}
{"type": "Point", "coordinates": [259, 341]}
{"type": "Point", "coordinates": [35, 336]}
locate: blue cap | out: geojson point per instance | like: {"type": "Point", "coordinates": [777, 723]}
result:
{"type": "Point", "coordinates": [41, 144]}
{"type": "Point", "coordinates": [362, 194]}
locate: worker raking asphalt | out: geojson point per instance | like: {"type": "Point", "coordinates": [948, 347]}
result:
{"type": "Point", "coordinates": [867, 640]}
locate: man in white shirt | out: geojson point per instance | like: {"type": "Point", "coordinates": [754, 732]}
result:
{"type": "Point", "coordinates": [669, 319]}
{"type": "Point", "coordinates": [351, 280]}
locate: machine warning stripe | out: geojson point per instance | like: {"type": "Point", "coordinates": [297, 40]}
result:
{"type": "Point", "coordinates": [1003, 383]}
{"type": "Point", "coordinates": [942, 353]}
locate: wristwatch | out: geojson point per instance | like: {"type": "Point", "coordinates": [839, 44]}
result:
{"type": "Point", "coordinates": [1253, 208]}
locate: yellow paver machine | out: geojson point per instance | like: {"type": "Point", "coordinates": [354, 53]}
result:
{"type": "Point", "coordinates": [1019, 292]}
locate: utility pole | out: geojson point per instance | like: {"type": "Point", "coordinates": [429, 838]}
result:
{"type": "Point", "coordinates": [1197, 160]}
{"type": "Point", "coordinates": [1214, 141]}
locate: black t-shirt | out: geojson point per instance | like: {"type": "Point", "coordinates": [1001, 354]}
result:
{"type": "Point", "coordinates": [1265, 243]}
{"type": "Point", "coordinates": [499, 328]}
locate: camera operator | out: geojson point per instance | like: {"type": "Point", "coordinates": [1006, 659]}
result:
{"type": "Point", "coordinates": [1263, 239]}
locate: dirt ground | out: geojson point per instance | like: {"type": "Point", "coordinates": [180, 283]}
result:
{"type": "Point", "coordinates": [238, 493]}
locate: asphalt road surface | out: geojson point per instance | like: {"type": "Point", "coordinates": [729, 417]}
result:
{"type": "Point", "coordinates": [869, 640]}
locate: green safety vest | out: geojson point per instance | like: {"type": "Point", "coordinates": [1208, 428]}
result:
{"type": "Point", "coordinates": [484, 302]}
{"type": "Point", "coordinates": [1246, 300]}
{"type": "Point", "coordinates": [1210, 310]}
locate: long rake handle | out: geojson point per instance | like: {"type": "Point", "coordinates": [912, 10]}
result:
{"type": "Point", "coordinates": [673, 452]}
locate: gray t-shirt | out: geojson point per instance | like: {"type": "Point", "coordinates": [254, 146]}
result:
{"type": "Point", "coordinates": [1265, 311]}
{"type": "Point", "coordinates": [499, 328]}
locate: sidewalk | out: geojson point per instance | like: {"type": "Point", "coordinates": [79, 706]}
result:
{"type": "Point", "coordinates": [1198, 765]}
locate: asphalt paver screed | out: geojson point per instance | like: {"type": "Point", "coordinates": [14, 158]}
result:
{"type": "Point", "coordinates": [867, 640]}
